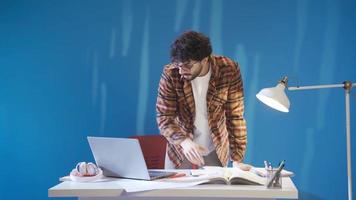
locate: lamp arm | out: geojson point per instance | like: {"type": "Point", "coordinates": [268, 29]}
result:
{"type": "Point", "coordinates": [312, 87]}
{"type": "Point", "coordinates": [347, 85]}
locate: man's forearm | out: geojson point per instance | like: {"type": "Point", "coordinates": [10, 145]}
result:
{"type": "Point", "coordinates": [237, 137]}
{"type": "Point", "coordinates": [170, 130]}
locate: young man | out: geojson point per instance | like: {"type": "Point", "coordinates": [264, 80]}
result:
{"type": "Point", "coordinates": [200, 106]}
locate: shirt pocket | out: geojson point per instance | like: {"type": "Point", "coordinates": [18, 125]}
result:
{"type": "Point", "coordinates": [181, 104]}
{"type": "Point", "coordinates": [216, 104]}
{"type": "Point", "coordinates": [183, 110]}
{"type": "Point", "coordinates": [219, 99]}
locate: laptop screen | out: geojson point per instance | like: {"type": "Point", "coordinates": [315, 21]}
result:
{"type": "Point", "coordinates": [119, 157]}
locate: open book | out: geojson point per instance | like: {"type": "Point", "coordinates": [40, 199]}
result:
{"type": "Point", "coordinates": [222, 175]}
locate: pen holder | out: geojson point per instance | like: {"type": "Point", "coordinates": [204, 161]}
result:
{"type": "Point", "coordinates": [273, 179]}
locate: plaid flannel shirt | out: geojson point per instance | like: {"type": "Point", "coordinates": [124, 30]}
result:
{"type": "Point", "coordinates": [225, 102]}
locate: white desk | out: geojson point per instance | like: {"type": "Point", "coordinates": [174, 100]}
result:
{"type": "Point", "coordinates": [110, 190]}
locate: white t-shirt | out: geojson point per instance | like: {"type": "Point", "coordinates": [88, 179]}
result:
{"type": "Point", "coordinates": [202, 134]}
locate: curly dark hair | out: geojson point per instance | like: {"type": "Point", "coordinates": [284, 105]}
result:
{"type": "Point", "coordinates": [191, 45]}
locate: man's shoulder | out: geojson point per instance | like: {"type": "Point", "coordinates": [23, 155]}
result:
{"type": "Point", "coordinates": [171, 71]}
{"type": "Point", "coordinates": [225, 63]}
{"type": "Point", "coordinates": [221, 58]}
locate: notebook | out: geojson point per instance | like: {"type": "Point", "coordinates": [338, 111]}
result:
{"type": "Point", "coordinates": [122, 157]}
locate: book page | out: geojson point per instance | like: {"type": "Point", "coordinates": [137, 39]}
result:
{"type": "Point", "coordinates": [230, 175]}
{"type": "Point", "coordinates": [238, 176]}
{"type": "Point", "coordinates": [222, 175]}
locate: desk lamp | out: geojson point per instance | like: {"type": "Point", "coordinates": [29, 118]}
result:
{"type": "Point", "coordinates": [276, 98]}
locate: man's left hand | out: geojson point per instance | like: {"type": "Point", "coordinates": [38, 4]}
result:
{"type": "Point", "coordinates": [243, 166]}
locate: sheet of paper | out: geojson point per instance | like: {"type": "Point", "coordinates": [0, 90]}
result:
{"type": "Point", "coordinates": [138, 186]}
{"type": "Point", "coordinates": [131, 185]}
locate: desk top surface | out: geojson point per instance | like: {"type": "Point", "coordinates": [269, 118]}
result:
{"type": "Point", "coordinates": [113, 189]}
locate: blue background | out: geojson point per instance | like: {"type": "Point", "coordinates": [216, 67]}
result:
{"type": "Point", "coordinates": [69, 69]}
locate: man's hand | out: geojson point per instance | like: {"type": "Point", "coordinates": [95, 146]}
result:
{"type": "Point", "coordinates": [245, 167]}
{"type": "Point", "coordinates": [193, 152]}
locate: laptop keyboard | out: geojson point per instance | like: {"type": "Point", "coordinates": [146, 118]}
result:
{"type": "Point", "coordinates": [154, 174]}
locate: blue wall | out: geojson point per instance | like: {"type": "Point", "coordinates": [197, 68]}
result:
{"type": "Point", "coordinates": [69, 69]}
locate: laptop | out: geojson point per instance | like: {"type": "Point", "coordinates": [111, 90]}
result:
{"type": "Point", "coordinates": [122, 157]}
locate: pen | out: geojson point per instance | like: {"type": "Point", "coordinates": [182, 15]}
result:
{"type": "Point", "coordinates": [178, 175]}
{"type": "Point", "coordinates": [281, 166]}
{"type": "Point", "coordinates": [266, 165]}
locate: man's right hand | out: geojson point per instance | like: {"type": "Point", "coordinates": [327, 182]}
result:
{"type": "Point", "coordinates": [193, 152]}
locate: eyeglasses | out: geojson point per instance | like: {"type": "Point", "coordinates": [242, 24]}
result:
{"type": "Point", "coordinates": [187, 64]}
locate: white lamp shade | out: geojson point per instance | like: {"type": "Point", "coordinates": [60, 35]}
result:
{"type": "Point", "coordinates": [275, 97]}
